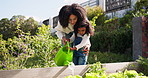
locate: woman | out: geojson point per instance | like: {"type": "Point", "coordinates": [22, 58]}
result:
{"type": "Point", "coordinates": [69, 15]}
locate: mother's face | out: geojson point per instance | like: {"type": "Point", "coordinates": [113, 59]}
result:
{"type": "Point", "coordinates": [73, 19]}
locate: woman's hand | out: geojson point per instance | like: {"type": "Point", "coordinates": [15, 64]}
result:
{"type": "Point", "coordinates": [64, 40]}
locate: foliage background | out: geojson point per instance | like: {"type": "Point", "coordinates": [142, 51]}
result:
{"type": "Point", "coordinates": [25, 44]}
{"type": "Point", "coordinates": [25, 50]}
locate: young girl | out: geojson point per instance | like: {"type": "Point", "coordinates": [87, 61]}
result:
{"type": "Point", "coordinates": [80, 39]}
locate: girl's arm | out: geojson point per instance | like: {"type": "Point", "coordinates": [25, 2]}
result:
{"type": "Point", "coordinates": [85, 42]}
{"type": "Point", "coordinates": [74, 48]}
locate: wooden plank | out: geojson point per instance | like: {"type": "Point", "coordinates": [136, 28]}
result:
{"type": "Point", "coordinates": [63, 71]}
{"type": "Point", "coordinates": [51, 72]}
{"type": "Point", "coordinates": [78, 70]}
{"type": "Point", "coordinates": [115, 67]}
{"type": "Point", "coordinates": [30, 73]}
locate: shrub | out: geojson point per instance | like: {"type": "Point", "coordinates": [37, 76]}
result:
{"type": "Point", "coordinates": [29, 51]}
{"type": "Point", "coordinates": [117, 41]}
{"type": "Point", "coordinates": [108, 57]}
{"type": "Point", "coordinates": [100, 73]}
{"type": "Point", "coordinates": [143, 65]}
{"type": "Point", "coordinates": [100, 41]}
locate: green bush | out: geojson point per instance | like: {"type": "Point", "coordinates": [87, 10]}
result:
{"type": "Point", "coordinates": [29, 51]}
{"type": "Point", "coordinates": [98, 72]}
{"type": "Point", "coordinates": [143, 62]}
{"type": "Point", "coordinates": [126, 19]}
{"type": "Point", "coordinates": [100, 41]}
{"type": "Point", "coordinates": [121, 41]}
{"type": "Point", "coordinates": [96, 68]}
{"type": "Point", "coordinates": [117, 41]}
{"type": "Point", "coordinates": [108, 57]}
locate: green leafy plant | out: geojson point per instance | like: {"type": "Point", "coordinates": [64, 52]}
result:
{"type": "Point", "coordinates": [76, 76]}
{"type": "Point", "coordinates": [143, 65]}
{"type": "Point", "coordinates": [96, 68]}
{"type": "Point", "coordinates": [27, 51]}
{"type": "Point", "coordinates": [96, 16]}
{"type": "Point", "coordinates": [97, 72]}
{"type": "Point", "coordinates": [140, 8]}
{"type": "Point", "coordinates": [117, 41]}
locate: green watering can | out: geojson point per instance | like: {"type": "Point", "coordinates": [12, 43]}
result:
{"type": "Point", "coordinates": [64, 56]}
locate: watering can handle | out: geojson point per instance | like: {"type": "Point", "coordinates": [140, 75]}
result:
{"type": "Point", "coordinates": [68, 45]}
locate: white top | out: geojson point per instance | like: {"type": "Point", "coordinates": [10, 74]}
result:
{"type": "Point", "coordinates": [85, 41]}
{"type": "Point", "coordinates": [61, 31]}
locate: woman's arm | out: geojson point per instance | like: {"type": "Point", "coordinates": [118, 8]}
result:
{"type": "Point", "coordinates": [59, 32]}
{"type": "Point", "coordinates": [72, 38]}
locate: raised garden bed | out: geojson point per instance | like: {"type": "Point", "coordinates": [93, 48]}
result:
{"type": "Point", "coordinates": [63, 71]}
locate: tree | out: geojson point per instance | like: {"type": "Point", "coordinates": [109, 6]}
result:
{"type": "Point", "coordinates": [141, 4]}
{"type": "Point", "coordinates": [96, 15]}
{"type": "Point", "coordinates": [17, 25]}
{"type": "Point", "coordinates": [29, 25]}
{"type": "Point", "coordinates": [7, 28]}
{"type": "Point", "coordinates": [141, 8]}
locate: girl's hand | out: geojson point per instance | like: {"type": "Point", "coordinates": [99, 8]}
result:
{"type": "Point", "coordinates": [86, 51]}
{"type": "Point", "coordinates": [74, 48]}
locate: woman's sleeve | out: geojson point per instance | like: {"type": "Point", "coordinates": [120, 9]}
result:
{"type": "Point", "coordinates": [59, 32]}
{"type": "Point", "coordinates": [72, 38]}
{"type": "Point", "coordinates": [85, 41]}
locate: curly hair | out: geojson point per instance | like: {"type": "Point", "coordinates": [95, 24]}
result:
{"type": "Point", "coordinates": [64, 15]}
{"type": "Point", "coordinates": [79, 11]}
{"type": "Point", "coordinates": [68, 10]}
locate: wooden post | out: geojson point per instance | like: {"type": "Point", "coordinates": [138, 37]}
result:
{"type": "Point", "coordinates": [137, 37]}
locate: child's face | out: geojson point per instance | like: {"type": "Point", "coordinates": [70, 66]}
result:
{"type": "Point", "coordinates": [82, 30]}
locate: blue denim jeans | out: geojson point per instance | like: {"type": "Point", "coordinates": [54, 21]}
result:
{"type": "Point", "coordinates": [79, 58]}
